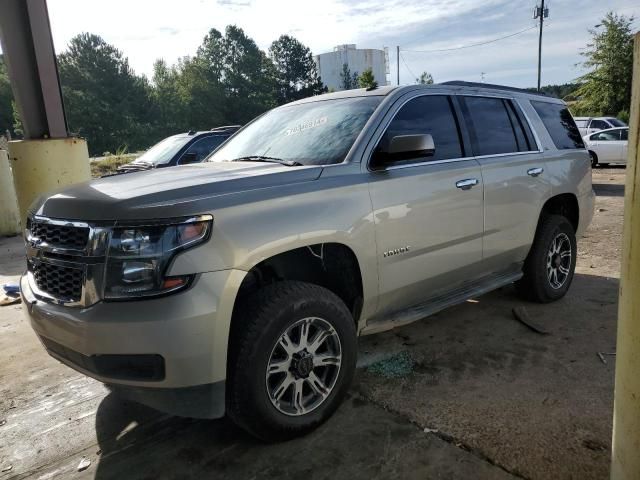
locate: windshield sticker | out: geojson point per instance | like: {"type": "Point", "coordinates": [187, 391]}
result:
{"type": "Point", "coordinates": [306, 126]}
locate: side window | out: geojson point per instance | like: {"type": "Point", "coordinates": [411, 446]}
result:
{"type": "Point", "coordinates": [492, 126]}
{"type": "Point", "coordinates": [599, 124]}
{"type": "Point", "coordinates": [624, 134]}
{"type": "Point", "coordinates": [609, 136]}
{"type": "Point", "coordinates": [559, 123]}
{"type": "Point", "coordinates": [429, 114]}
{"type": "Point", "coordinates": [581, 123]}
{"type": "Point", "coordinates": [200, 149]}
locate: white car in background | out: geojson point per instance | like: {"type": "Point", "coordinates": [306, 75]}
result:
{"type": "Point", "coordinates": [608, 146]}
{"type": "Point", "coordinates": [588, 125]}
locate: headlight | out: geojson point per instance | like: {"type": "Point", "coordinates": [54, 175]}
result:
{"type": "Point", "coordinates": [138, 256]}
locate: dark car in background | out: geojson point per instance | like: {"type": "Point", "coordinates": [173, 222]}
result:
{"type": "Point", "coordinates": [180, 149]}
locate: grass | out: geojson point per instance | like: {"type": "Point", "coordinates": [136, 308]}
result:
{"type": "Point", "coordinates": [109, 164]}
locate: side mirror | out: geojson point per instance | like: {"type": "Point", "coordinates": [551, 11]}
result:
{"type": "Point", "coordinates": [404, 147]}
{"type": "Point", "coordinates": [411, 146]}
{"type": "Point", "coordinates": [189, 157]}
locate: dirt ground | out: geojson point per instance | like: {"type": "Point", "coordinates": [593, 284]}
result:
{"type": "Point", "coordinates": [468, 393]}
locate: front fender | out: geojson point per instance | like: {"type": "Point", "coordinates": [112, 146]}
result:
{"type": "Point", "coordinates": [332, 209]}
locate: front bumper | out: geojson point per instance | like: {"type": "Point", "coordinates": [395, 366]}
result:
{"type": "Point", "coordinates": [149, 349]}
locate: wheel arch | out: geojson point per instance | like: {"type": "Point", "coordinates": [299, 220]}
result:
{"type": "Point", "coordinates": [331, 265]}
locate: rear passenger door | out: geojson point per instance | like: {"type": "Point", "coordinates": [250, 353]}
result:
{"type": "Point", "coordinates": [427, 209]}
{"type": "Point", "coordinates": [512, 167]}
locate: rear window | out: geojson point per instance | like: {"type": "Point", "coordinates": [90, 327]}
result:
{"type": "Point", "coordinates": [582, 123]}
{"type": "Point", "coordinates": [616, 123]}
{"type": "Point", "coordinates": [560, 125]}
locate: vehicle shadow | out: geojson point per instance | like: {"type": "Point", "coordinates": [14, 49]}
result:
{"type": "Point", "coordinates": [608, 190]}
{"type": "Point", "coordinates": [359, 442]}
{"type": "Point", "coordinates": [454, 350]}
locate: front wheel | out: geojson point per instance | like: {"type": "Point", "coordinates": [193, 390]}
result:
{"type": "Point", "coordinates": [549, 268]}
{"type": "Point", "coordinates": [594, 159]}
{"type": "Point", "coordinates": [292, 358]}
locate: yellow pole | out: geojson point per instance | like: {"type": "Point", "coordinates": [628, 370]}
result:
{"type": "Point", "coordinates": [9, 216]}
{"type": "Point", "coordinates": [625, 461]}
{"type": "Point", "coordinates": [41, 166]}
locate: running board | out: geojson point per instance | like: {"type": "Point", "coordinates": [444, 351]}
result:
{"type": "Point", "coordinates": [437, 304]}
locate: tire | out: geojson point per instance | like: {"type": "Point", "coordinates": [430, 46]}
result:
{"type": "Point", "coordinates": [258, 343]}
{"type": "Point", "coordinates": [594, 159]}
{"type": "Point", "coordinates": [540, 283]}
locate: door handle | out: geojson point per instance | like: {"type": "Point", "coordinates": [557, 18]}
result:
{"type": "Point", "coordinates": [467, 183]}
{"type": "Point", "coordinates": [534, 172]}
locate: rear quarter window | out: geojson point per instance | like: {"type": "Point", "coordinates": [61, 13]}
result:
{"type": "Point", "coordinates": [559, 123]}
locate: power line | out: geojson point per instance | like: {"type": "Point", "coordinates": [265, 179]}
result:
{"type": "Point", "coordinates": [473, 44]}
{"type": "Point", "coordinates": [406, 65]}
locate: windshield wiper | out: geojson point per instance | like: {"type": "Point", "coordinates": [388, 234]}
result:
{"type": "Point", "coordinates": [262, 158]}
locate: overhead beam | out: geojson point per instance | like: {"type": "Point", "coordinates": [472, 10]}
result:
{"type": "Point", "coordinates": [27, 46]}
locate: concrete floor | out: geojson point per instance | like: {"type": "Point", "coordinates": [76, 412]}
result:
{"type": "Point", "coordinates": [498, 400]}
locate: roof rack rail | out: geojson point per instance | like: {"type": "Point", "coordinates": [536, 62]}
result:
{"type": "Point", "coordinates": [491, 86]}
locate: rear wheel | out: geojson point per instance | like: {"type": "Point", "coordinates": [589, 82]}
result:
{"type": "Point", "coordinates": [292, 358]}
{"type": "Point", "coordinates": [550, 266]}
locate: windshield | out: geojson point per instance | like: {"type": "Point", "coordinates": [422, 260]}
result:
{"type": "Point", "coordinates": [616, 123]}
{"type": "Point", "coordinates": [163, 151]}
{"type": "Point", "coordinates": [315, 133]}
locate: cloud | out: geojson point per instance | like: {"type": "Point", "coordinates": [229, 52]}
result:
{"type": "Point", "coordinates": [144, 32]}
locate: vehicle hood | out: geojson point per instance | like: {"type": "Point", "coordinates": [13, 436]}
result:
{"type": "Point", "coordinates": [166, 192]}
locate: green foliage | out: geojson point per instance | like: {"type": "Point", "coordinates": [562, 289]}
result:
{"type": "Point", "coordinates": [367, 80]}
{"type": "Point", "coordinates": [6, 99]}
{"type": "Point", "coordinates": [348, 80]}
{"type": "Point", "coordinates": [566, 91]}
{"type": "Point", "coordinates": [606, 89]}
{"type": "Point", "coordinates": [229, 80]}
{"type": "Point", "coordinates": [296, 74]}
{"type": "Point", "coordinates": [104, 100]}
{"type": "Point", "coordinates": [425, 79]}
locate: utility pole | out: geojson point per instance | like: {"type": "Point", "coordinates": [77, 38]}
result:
{"type": "Point", "coordinates": [540, 12]}
{"type": "Point", "coordinates": [398, 66]}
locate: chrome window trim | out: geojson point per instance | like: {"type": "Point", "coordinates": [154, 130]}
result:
{"type": "Point", "coordinates": [457, 159]}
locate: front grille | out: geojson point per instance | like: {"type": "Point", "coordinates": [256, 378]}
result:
{"type": "Point", "coordinates": [61, 236]}
{"type": "Point", "coordinates": [63, 283]}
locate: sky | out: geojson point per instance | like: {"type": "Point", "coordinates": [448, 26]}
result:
{"type": "Point", "coordinates": [145, 30]}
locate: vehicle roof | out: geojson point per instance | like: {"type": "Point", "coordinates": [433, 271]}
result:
{"type": "Point", "coordinates": [451, 87]}
{"type": "Point", "coordinates": [608, 130]}
{"type": "Point", "coordinates": [199, 133]}
{"type": "Point", "coordinates": [606, 117]}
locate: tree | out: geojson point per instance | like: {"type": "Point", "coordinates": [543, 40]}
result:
{"type": "Point", "coordinates": [367, 80]}
{"type": "Point", "coordinates": [104, 100]}
{"type": "Point", "coordinates": [347, 79]}
{"type": "Point", "coordinates": [606, 89]}
{"type": "Point", "coordinates": [6, 99]}
{"type": "Point", "coordinates": [425, 79]}
{"type": "Point", "coordinates": [168, 103]}
{"type": "Point", "coordinates": [244, 73]}
{"type": "Point", "coordinates": [296, 72]}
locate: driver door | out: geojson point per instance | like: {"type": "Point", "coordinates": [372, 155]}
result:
{"type": "Point", "coordinates": [428, 210]}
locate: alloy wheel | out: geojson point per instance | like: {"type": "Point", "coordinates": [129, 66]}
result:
{"type": "Point", "coordinates": [559, 258]}
{"type": "Point", "coordinates": [303, 366]}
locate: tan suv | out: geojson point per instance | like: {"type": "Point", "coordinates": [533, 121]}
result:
{"type": "Point", "coordinates": [240, 285]}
